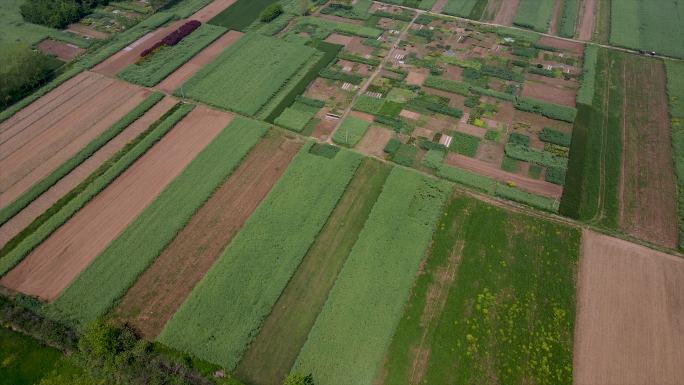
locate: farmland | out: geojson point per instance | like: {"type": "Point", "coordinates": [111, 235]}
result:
{"type": "Point", "coordinates": [333, 192]}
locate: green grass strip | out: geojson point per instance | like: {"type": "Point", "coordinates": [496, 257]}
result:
{"type": "Point", "coordinates": [257, 265]}
{"type": "Point", "coordinates": [68, 205]}
{"type": "Point", "coordinates": [366, 303]}
{"type": "Point", "coordinates": [7, 212]}
{"type": "Point", "coordinates": [108, 277]}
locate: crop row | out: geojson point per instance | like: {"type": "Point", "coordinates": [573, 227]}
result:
{"type": "Point", "coordinates": [258, 263]}
{"type": "Point", "coordinates": [108, 277]}
{"type": "Point", "coordinates": [364, 307]}
{"type": "Point", "coordinates": [68, 205]}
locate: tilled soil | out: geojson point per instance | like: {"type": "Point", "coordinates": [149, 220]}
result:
{"type": "Point", "coordinates": [507, 12]}
{"type": "Point", "coordinates": [59, 49]}
{"type": "Point", "coordinates": [33, 148]}
{"type": "Point", "coordinates": [52, 266]}
{"type": "Point", "coordinates": [158, 293]}
{"type": "Point", "coordinates": [630, 313]}
{"type": "Point", "coordinates": [585, 27]}
{"type": "Point", "coordinates": [12, 227]}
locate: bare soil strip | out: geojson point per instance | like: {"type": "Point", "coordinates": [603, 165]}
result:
{"type": "Point", "coordinates": [585, 29]}
{"type": "Point", "coordinates": [648, 191]}
{"type": "Point", "coordinates": [271, 355]}
{"type": "Point", "coordinates": [130, 54]}
{"type": "Point", "coordinates": [12, 227]}
{"type": "Point", "coordinates": [178, 77]}
{"type": "Point", "coordinates": [565, 45]}
{"type": "Point", "coordinates": [487, 169]}
{"type": "Point", "coordinates": [36, 151]}
{"type": "Point", "coordinates": [160, 291]}
{"type": "Point", "coordinates": [439, 4]}
{"type": "Point", "coordinates": [61, 50]}
{"type": "Point", "coordinates": [555, 17]}
{"type": "Point", "coordinates": [507, 12]}
{"type": "Point", "coordinates": [629, 327]}
{"type": "Point", "coordinates": [57, 261]}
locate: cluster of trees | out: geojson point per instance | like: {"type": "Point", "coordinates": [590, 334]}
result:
{"type": "Point", "coordinates": [57, 13]}
{"type": "Point", "coordinates": [271, 12]}
{"type": "Point", "coordinates": [21, 71]}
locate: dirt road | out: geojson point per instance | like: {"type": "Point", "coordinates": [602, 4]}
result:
{"type": "Point", "coordinates": [630, 318]}
{"type": "Point", "coordinates": [60, 258]}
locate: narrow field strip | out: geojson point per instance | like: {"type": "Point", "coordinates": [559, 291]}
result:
{"type": "Point", "coordinates": [358, 320]}
{"type": "Point", "coordinates": [257, 265]}
{"type": "Point", "coordinates": [271, 355]}
{"type": "Point", "coordinates": [70, 204]}
{"type": "Point", "coordinates": [41, 186]}
{"type": "Point", "coordinates": [496, 302]}
{"type": "Point", "coordinates": [153, 69]}
{"type": "Point", "coordinates": [534, 14]}
{"type": "Point", "coordinates": [114, 270]}
{"type": "Point", "coordinates": [163, 287]}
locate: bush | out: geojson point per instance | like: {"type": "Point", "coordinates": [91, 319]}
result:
{"type": "Point", "coordinates": [298, 379]}
{"type": "Point", "coordinates": [519, 139]}
{"type": "Point", "coordinates": [524, 197]}
{"type": "Point", "coordinates": [550, 110]}
{"type": "Point", "coordinates": [464, 144]}
{"type": "Point", "coordinates": [22, 71]}
{"type": "Point", "coordinates": [532, 155]}
{"type": "Point", "coordinates": [57, 13]}
{"type": "Point", "coordinates": [271, 12]}
{"type": "Point", "coordinates": [392, 146]}
{"type": "Point", "coordinates": [549, 135]}
{"type": "Point", "coordinates": [555, 175]}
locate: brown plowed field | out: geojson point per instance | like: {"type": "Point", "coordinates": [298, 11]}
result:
{"type": "Point", "coordinates": [477, 166]}
{"type": "Point", "coordinates": [565, 45]}
{"type": "Point", "coordinates": [507, 12]}
{"type": "Point", "coordinates": [647, 187]}
{"type": "Point", "coordinates": [59, 49]}
{"type": "Point", "coordinates": [12, 227]}
{"type": "Point", "coordinates": [87, 31]}
{"type": "Point", "coordinates": [585, 28]}
{"type": "Point", "coordinates": [31, 151]}
{"type": "Point", "coordinates": [549, 93]}
{"type": "Point", "coordinates": [439, 4]}
{"type": "Point", "coordinates": [630, 314]}
{"type": "Point", "coordinates": [163, 287]}
{"type": "Point", "coordinates": [374, 141]}
{"type": "Point", "coordinates": [57, 261]}
{"type": "Point", "coordinates": [178, 77]}
{"type": "Point", "coordinates": [130, 54]}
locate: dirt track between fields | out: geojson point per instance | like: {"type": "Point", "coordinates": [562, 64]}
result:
{"type": "Point", "coordinates": [506, 13]}
{"type": "Point", "coordinates": [487, 169]}
{"type": "Point", "coordinates": [12, 227]}
{"type": "Point", "coordinates": [178, 77]}
{"type": "Point", "coordinates": [158, 293]}
{"type": "Point", "coordinates": [31, 148]}
{"type": "Point", "coordinates": [630, 314]}
{"type": "Point", "coordinates": [585, 27]}
{"type": "Point", "coordinates": [59, 259]}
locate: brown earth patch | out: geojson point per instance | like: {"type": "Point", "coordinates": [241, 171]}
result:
{"type": "Point", "coordinates": [179, 76]}
{"type": "Point", "coordinates": [648, 188]}
{"type": "Point", "coordinates": [549, 93]}
{"type": "Point", "coordinates": [336, 38]}
{"type": "Point", "coordinates": [61, 50]}
{"type": "Point", "coordinates": [374, 141]}
{"type": "Point", "coordinates": [630, 307]}
{"type": "Point", "coordinates": [362, 115]}
{"type": "Point", "coordinates": [565, 45]}
{"type": "Point", "coordinates": [585, 28]}
{"type": "Point", "coordinates": [32, 148]}
{"type": "Point", "coordinates": [409, 114]}
{"type": "Point", "coordinates": [439, 4]}
{"type": "Point", "coordinates": [491, 10]}
{"type": "Point", "coordinates": [493, 171]}
{"type": "Point", "coordinates": [326, 125]}
{"type": "Point", "coordinates": [12, 227]}
{"type": "Point", "coordinates": [210, 10]}
{"type": "Point", "coordinates": [52, 266]}
{"type": "Point", "coordinates": [158, 293]}
{"type": "Point", "coordinates": [453, 73]}
{"type": "Point", "coordinates": [506, 13]}
{"type": "Point", "coordinates": [416, 77]}
{"type": "Point", "coordinates": [87, 31]}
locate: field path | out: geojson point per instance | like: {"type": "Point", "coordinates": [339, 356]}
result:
{"type": "Point", "coordinates": [630, 313]}
{"type": "Point", "coordinates": [50, 268]}
{"type": "Point", "coordinates": [163, 287]}
{"type": "Point", "coordinates": [12, 227]}
{"type": "Point", "coordinates": [32, 149]}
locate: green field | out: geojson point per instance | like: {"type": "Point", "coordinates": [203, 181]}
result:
{"type": "Point", "coordinates": [648, 25]}
{"type": "Point", "coordinates": [350, 132]}
{"type": "Point", "coordinates": [241, 14]}
{"type": "Point", "coordinates": [472, 9]}
{"type": "Point", "coordinates": [270, 357]}
{"type": "Point", "coordinates": [260, 260]}
{"type": "Point", "coordinates": [568, 18]}
{"type": "Point", "coordinates": [591, 185]}
{"type": "Point", "coordinates": [155, 67]}
{"type": "Point", "coordinates": [494, 306]}
{"type": "Point", "coordinates": [24, 361]}
{"type": "Point", "coordinates": [363, 308]}
{"type": "Point", "coordinates": [534, 14]}
{"type": "Point", "coordinates": [247, 74]}
{"type": "Point", "coordinates": [108, 277]}
{"type": "Point", "coordinates": [675, 90]}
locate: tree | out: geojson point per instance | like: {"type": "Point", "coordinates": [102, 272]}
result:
{"type": "Point", "coordinates": [271, 12]}
{"type": "Point", "coordinates": [21, 71]}
{"type": "Point", "coordinates": [299, 379]}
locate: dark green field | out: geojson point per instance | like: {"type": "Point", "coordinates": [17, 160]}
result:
{"type": "Point", "coordinates": [495, 305]}
{"type": "Point", "coordinates": [241, 14]}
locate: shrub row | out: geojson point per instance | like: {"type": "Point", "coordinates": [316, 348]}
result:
{"type": "Point", "coordinates": [524, 197]}
{"type": "Point", "coordinates": [502, 73]}
{"type": "Point", "coordinates": [542, 158]}
{"type": "Point", "coordinates": [396, 16]}
{"type": "Point", "coordinates": [310, 101]}
{"type": "Point", "coordinates": [358, 59]}
{"type": "Point", "coordinates": [549, 135]}
{"type": "Point", "coordinates": [57, 13]}
{"type": "Point", "coordinates": [550, 110]}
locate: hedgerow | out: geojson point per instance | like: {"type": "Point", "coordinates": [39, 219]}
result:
{"type": "Point", "coordinates": [108, 277]}
{"type": "Point", "coordinates": [155, 67]}
{"type": "Point", "coordinates": [524, 197]}
{"type": "Point", "coordinates": [258, 263]}
{"type": "Point", "coordinates": [350, 131]}
{"type": "Point", "coordinates": [358, 59]}
{"type": "Point", "coordinates": [43, 185]}
{"type": "Point", "coordinates": [69, 204]}
{"type": "Point", "coordinates": [549, 135]}
{"type": "Point", "coordinates": [550, 110]}
{"type": "Point", "coordinates": [400, 224]}
{"type": "Point", "coordinates": [532, 155]}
